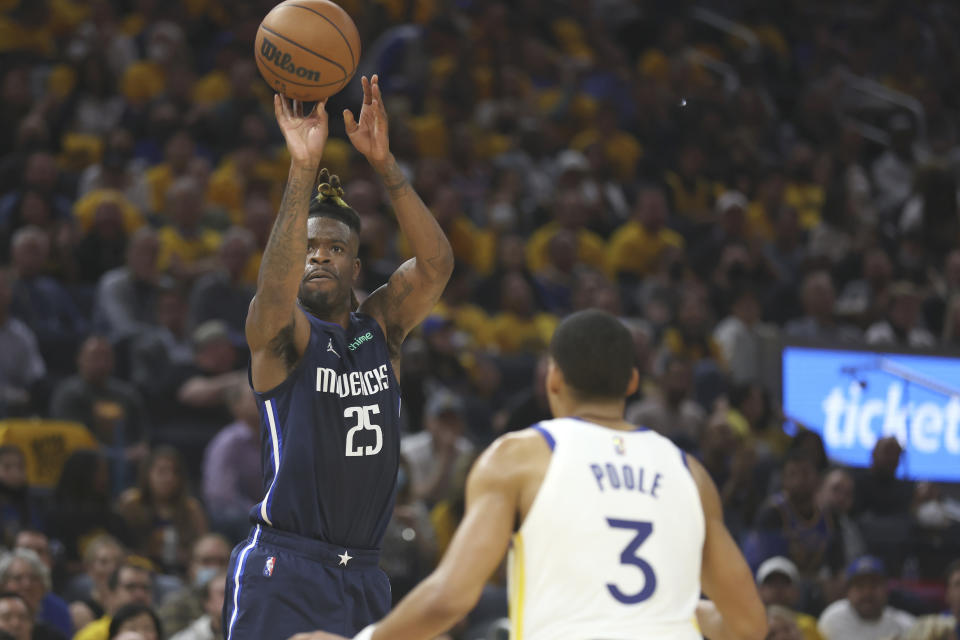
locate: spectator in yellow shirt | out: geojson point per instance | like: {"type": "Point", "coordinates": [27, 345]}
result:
{"type": "Point", "coordinates": [177, 153]}
{"type": "Point", "coordinates": [186, 249]}
{"type": "Point", "coordinates": [259, 215]}
{"type": "Point", "coordinates": [691, 193]}
{"type": "Point", "coordinates": [569, 212]}
{"type": "Point", "coordinates": [777, 580]}
{"type": "Point", "coordinates": [803, 192]}
{"type": "Point", "coordinates": [636, 247]}
{"type": "Point", "coordinates": [130, 583]}
{"type": "Point", "coordinates": [471, 245]}
{"type": "Point", "coordinates": [690, 336]}
{"type": "Point", "coordinates": [518, 328]}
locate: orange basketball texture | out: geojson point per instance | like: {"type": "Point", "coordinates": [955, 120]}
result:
{"type": "Point", "coordinates": [307, 49]}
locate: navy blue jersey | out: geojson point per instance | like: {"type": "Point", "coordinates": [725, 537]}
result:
{"type": "Point", "coordinates": [331, 438]}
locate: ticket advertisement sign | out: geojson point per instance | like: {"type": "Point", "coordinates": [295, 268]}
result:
{"type": "Point", "coordinates": [854, 397]}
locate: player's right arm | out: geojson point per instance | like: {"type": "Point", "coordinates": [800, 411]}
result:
{"type": "Point", "coordinates": [736, 611]}
{"type": "Point", "coordinates": [277, 331]}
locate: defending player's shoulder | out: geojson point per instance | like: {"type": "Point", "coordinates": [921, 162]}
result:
{"type": "Point", "coordinates": [513, 465]}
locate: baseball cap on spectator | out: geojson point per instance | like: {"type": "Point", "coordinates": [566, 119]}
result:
{"type": "Point", "coordinates": [210, 331]}
{"type": "Point", "coordinates": [433, 324]}
{"type": "Point", "coordinates": [571, 160]}
{"type": "Point", "coordinates": [777, 564]}
{"type": "Point", "coordinates": [443, 401]}
{"type": "Point", "coordinates": [866, 566]}
{"type": "Point", "coordinates": [729, 200]}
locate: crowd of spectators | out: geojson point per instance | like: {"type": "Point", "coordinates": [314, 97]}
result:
{"type": "Point", "coordinates": [703, 170]}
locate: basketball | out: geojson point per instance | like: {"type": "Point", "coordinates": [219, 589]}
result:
{"type": "Point", "coordinates": [307, 49]}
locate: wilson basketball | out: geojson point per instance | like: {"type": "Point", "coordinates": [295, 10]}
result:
{"type": "Point", "coordinates": [307, 49]}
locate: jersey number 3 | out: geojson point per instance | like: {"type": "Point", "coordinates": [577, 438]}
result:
{"type": "Point", "coordinates": [629, 556]}
{"type": "Point", "coordinates": [362, 414]}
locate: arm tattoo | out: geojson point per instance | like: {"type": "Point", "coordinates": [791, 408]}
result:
{"type": "Point", "coordinates": [395, 182]}
{"type": "Point", "coordinates": [288, 239]}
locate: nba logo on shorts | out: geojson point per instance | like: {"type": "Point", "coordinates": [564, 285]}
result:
{"type": "Point", "coordinates": [268, 566]}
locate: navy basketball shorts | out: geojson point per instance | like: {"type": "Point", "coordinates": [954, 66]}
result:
{"type": "Point", "coordinates": [280, 584]}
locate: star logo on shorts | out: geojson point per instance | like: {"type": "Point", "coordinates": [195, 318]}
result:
{"type": "Point", "coordinates": [345, 557]}
{"type": "Point", "coordinates": [331, 349]}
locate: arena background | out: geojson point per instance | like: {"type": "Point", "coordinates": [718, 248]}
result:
{"type": "Point", "coordinates": [765, 192]}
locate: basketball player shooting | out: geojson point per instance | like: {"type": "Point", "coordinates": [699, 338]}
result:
{"type": "Point", "coordinates": [323, 374]}
{"type": "Point", "coordinates": [619, 530]}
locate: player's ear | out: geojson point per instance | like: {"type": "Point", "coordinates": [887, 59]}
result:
{"type": "Point", "coordinates": [634, 383]}
{"type": "Point", "coordinates": [555, 381]}
{"type": "Point", "coordinates": [356, 268]}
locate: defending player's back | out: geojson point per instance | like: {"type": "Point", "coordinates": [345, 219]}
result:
{"type": "Point", "coordinates": [612, 541]}
{"type": "Point", "coordinates": [619, 532]}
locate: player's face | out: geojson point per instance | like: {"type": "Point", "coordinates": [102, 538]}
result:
{"type": "Point", "coordinates": [331, 266]}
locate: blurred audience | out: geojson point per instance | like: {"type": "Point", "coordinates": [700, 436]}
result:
{"type": "Point", "coordinates": [864, 613]}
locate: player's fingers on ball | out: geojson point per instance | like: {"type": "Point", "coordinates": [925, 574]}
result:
{"type": "Point", "coordinates": [277, 106]}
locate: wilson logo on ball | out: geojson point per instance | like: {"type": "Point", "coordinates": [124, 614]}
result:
{"type": "Point", "coordinates": [272, 53]}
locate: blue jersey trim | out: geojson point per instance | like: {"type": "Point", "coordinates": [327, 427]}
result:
{"type": "Point", "coordinates": [686, 463]}
{"type": "Point", "coordinates": [236, 580]}
{"type": "Point", "coordinates": [277, 443]}
{"type": "Point", "coordinates": [546, 435]}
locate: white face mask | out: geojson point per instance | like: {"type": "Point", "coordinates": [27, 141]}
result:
{"type": "Point", "coordinates": [204, 574]}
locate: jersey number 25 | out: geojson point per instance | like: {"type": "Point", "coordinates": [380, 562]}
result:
{"type": "Point", "coordinates": [629, 556]}
{"type": "Point", "coordinates": [362, 414]}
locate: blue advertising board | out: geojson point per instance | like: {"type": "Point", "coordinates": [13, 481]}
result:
{"type": "Point", "coordinates": [852, 398]}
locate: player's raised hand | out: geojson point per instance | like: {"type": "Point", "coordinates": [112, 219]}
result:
{"type": "Point", "coordinates": [306, 135]}
{"type": "Point", "coordinates": [370, 135]}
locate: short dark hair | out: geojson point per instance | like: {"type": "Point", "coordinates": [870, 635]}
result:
{"type": "Point", "coordinates": [130, 562]}
{"type": "Point", "coordinates": [329, 202]}
{"type": "Point", "coordinates": [800, 456]}
{"type": "Point", "coordinates": [595, 353]}
{"type": "Point", "coordinates": [130, 611]}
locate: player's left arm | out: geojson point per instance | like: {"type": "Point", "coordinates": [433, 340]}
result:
{"type": "Point", "coordinates": [416, 286]}
{"type": "Point", "coordinates": [452, 590]}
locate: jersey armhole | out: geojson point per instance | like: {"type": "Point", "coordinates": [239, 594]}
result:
{"type": "Point", "coordinates": [546, 435]}
{"type": "Point", "coordinates": [291, 377]}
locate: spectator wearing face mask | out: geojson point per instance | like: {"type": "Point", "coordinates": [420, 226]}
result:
{"type": "Point", "coordinates": [208, 558]}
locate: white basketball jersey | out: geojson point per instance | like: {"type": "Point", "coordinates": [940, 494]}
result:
{"type": "Point", "coordinates": [611, 547]}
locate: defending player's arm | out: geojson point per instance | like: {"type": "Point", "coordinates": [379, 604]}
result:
{"type": "Point", "coordinates": [736, 611]}
{"type": "Point", "coordinates": [416, 286]}
{"type": "Point", "coordinates": [451, 591]}
{"type": "Point", "coordinates": [277, 332]}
